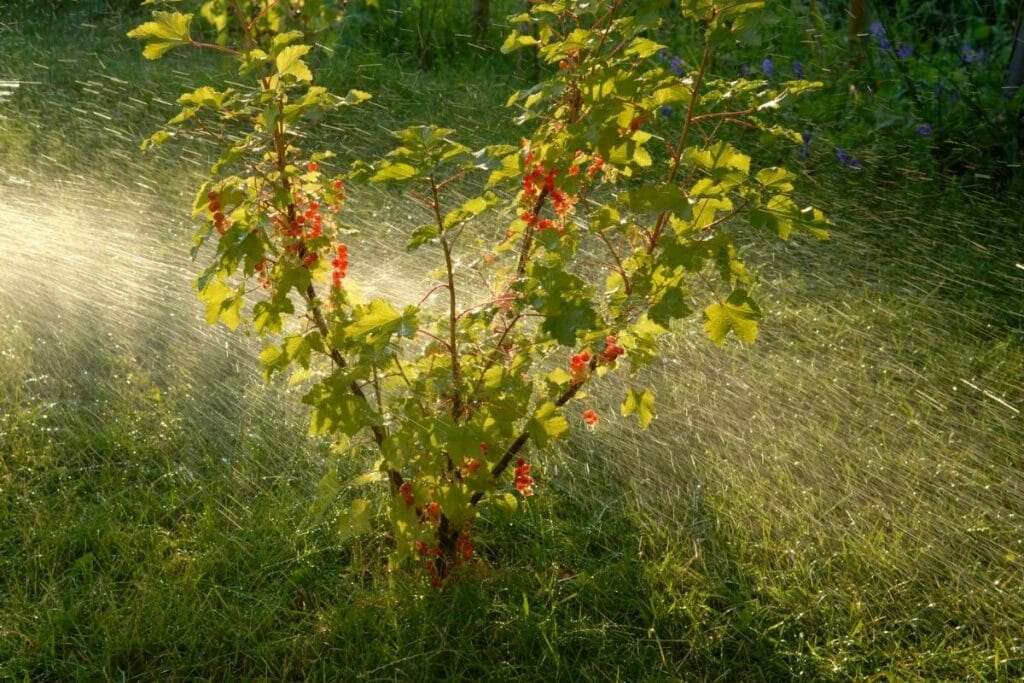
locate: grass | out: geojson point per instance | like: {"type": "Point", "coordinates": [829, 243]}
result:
{"type": "Point", "coordinates": [841, 501]}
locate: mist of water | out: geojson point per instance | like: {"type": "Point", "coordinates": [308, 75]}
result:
{"type": "Point", "coordinates": [881, 406]}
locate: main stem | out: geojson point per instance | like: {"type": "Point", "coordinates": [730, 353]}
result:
{"type": "Point", "coordinates": [453, 314]}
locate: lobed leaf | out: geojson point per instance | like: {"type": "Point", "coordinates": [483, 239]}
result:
{"type": "Point", "coordinates": [168, 30]}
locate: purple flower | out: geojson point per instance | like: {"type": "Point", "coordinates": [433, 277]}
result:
{"type": "Point", "coordinates": [877, 29]}
{"type": "Point", "coordinates": [767, 67]}
{"type": "Point", "coordinates": [968, 55]}
{"type": "Point", "coordinates": [805, 149]}
{"type": "Point", "coordinates": [884, 43]}
{"type": "Point", "coordinates": [798, 69]}
{"type": "Point", "coordinates": [666, 112]}
{"type": "Point", "coordinates": [841, 155]}
{"type": "Point", "coordinates": [677, 66]}
{"type": "Point", "coordinates": [664, 55]}
{"type": "Point", "coordinates": [924, 130]}
{"type": "Point", "coordinates": [855, 163]}
{"type": "Point", "coordinates": [904, 50]}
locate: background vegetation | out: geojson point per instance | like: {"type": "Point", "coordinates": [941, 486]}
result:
{"type": "Point", "coordinates": [841, 501]}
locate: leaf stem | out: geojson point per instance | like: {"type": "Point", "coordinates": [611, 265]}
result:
{"type": "Point", "coordinates": [681, 145]}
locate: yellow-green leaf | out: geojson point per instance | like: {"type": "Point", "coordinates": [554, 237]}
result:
{"type": "Point", "coordinates": [776, 178]}
{"type": "Point", "coordinates": [167, 30]}
{"type": "Point", "coordinates": [355, 520]}
{"type": "Point", "coordinates": [514, 41]}
{"type": "Point", "coordinates": [641, 404]}
{"type": "Point", "coordinates": [289, 63]}
{"type": "Point", "coordinates": [738, 318]}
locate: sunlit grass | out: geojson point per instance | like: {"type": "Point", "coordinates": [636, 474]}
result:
{"type": "Point", "coordinates": [841, 500]}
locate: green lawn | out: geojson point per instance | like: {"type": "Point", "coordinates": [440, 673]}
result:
{"type": "Point", "coordinates": [843, 500]}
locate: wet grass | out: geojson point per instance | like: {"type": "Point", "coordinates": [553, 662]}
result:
{"type": "Point", "coordinates": [842, 500]}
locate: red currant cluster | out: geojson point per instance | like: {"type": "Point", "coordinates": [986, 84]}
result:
{"type": "Point", "coordinates": [612, 349]}
{"type": "Point", "coordinates": [261, 273]}
{"type": "Point", "coordinates": [430, 553]}
{"type": "Point", "coordinates": [405, 490]}
{"type": "Point", "coordinates": [469, 467]}
{"type": "Point", "coordinates": [523, 481]}
{"type": "Point", "coordinates": [311, 221]}
{"type": "Point", "coordinates": [340, 264]}
{"type": "Point", "coordinates": [464, 547]}
{"type": "Point", "coordinates": [220, 221]}
{"type": "Point", "coordinates": [591, 417]}
{"type": "Point", "coordinates": [579, 363]}
{"type": "Point", "coordinates": [571, 62]}
{"type": "Point", "coordinates": [537, 178]}
{"type": "Point", "coordinates": [562, 202]}
{"type": "Point", "coordinates": [579, 367]}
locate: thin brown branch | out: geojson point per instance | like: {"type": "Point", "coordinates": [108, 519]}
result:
{"type": "Point", "coordinates": [724, 115]}
{"type": "Point", "coordinates": [213, 46]}
{"type": "Point", "coordinates": [520, 441]}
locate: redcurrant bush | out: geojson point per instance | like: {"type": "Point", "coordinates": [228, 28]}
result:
{"type": "Point", "coordinates": [616, 222]}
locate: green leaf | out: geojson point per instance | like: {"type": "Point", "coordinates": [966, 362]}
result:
{"type": "Point", "coordinates": [640, 404]}
{"type": "Point", "coordinates": [697, 10]}
{"type": "Point", "coordinates": [564, 302]}
{"type": "Point", "coordinates": [395, 172]}
{"type": "Point", "coordinates": [252, 59]}
{"type": "Point", "coordinates": [778, 214]}
{"type": "Point", "coordinates": [168, 30]}
{"type": "Point", "coordinates": [471, 208]}
{"type": "Point", "coordinates": [547, 424]}
{"type": "Point", "coordinates": [506, 502]}
{"type": "Point", "coordinates": [509, 169]}
{"type": "Point", "coordinates": [336, 409]}
{"type": "Point", "coordinates": [671, 304]}
{"type": "Point", "coordinates": [374, 324]}
{"type": "Point", "coordinates": [643, 48]}
{"type": "Point", "coordinates": [289, 63]}
{"type": "Point", "coordinates": [326, 491]}
{"type": "Point", "coordinates": [295, 349]}
{"type": "Point", "coordinates": [749, 28]}
{"type": "Point", "coordinates": [273, 358]}
{"type": "Point", "coordinates": [157, 138]}
{"type": "Point", "coordinates": [567, 317]}
{"type": "Point", "coordinates": [657, 198]}
{"type": "Point", "coordinates": [356, 520]}
{"type": "Point", "coordinates": [673, 95]}
{"type": "Point", "coordinates": [424, 234]}
{"type": "Point", "coordinates": [737, 315]}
